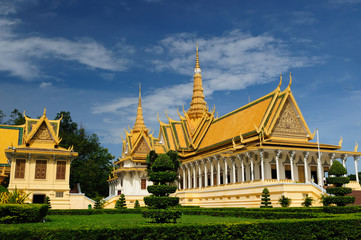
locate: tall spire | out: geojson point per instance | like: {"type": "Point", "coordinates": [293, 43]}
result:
{"type": "Point", "coordinates": [198, 105]}
{"type": "Point", "coordinates": [139, 121]}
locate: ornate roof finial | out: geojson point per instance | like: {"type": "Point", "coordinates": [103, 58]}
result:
{"type": "Point", "coordinates": [198, 105]}
{"type": "Point", "coordinates": [139, 121]}
{"type": "Point", "coordinates": [289, 85]}
{"type": "Point", "coordinates": [44, 111]}
{"type": "Point", "coordinates": [279, 85]}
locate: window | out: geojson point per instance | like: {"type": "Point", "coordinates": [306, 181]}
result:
{"type": "Point", "coordinates": [40, 169]}
{"type": "Point", "coordinates": [59, 194]}
{"type": "Point", "coordinates": [143, 184]}
{"type": "Point", "coordinates": [60, 169]}
{"type": "Point", "coordinates": [20, 168]}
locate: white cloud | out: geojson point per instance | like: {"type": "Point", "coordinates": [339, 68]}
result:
{"type": "Point", "coordinates": [45, 84]}
{"type": "Point", "coordinates": [21, 56]}
{"type": "Point", "coordinates": [229, 62]}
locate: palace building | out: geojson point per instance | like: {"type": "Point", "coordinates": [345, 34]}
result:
{"type": "Point", "coordinates": [35, 162]}
{"type": "Point", "coordinates": [228, 160]}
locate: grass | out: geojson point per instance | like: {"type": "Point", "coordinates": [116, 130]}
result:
{"type": "Point", "coordinates": [102, 220]}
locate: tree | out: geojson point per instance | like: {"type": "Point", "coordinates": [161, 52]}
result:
{"type": "Point", "coordinates": [99, 202]}
{"type": "Point", "coordinates": [265, 200]}
{"type": "Point", "coordinates": [338, 192]}
{"type": "Point", "coordinates": [93, 165]}
{"type": "Point", "coordinates": [307, 201]}
{"type": "Point", "coordinates": [2, 117]}
{"type": "Point", "coordinates": [47, 201]}
{"type": "Point", "coordinates": [284, 201]}
{"type": "Point", "coordinates": [162, 171]}
{"type": "Point", "coordinates": [136, 204]}
{"type": "Point", "coordinates": [16, 118]}
{"type": "Point", "coordinates": [120, 203]}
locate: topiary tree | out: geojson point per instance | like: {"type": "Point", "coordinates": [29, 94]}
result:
{"type": "Point", "coordinates": [265, 200]}
{"type": "Point", "coordinates": [47, 201]}
{"type": "Point", "coordinates": [99, 202]}
{"type": "Point", "coordinates": [120, 203]}
{"type": "Point", "coordinates": [136, 204]}
{"type": "Point", "coordinates": [307, 201]}
{"type": "Point", "coordinates": [338, 192]}
{"type": "Point", "coordinates": [284, 201]}
{"type": "Point", "coordinates": [162, 171]}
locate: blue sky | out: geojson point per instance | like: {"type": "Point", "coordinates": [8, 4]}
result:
{"type": "Point", "coordinates": [88, 57]}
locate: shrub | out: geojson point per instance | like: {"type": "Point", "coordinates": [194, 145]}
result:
{"type": "Point", "coordinates": [162, 171]}
{"type": "Point", "coordinates": [120, 203]}
{"type": "Point", "coordinates": [307, 201]}
{"type": "Point", "coordinates": [3, 189]}
{"type": "Point", "coordinates": [340, 210]}
{"type": "Point", "coordinates": [22, 213]}
{"type": "Point", "coordinates": [284, 201]}
{"type": "Point", "coordinates": [338, 191]}
{"type": "Point", "coordinates": [99, 203]}
{"type": "Point", "coordinates": [136, 204]}
{"type": "Point", "coordinates": [265, 200]}
{"type": "Point", "coordinates": [47, 201]}
{"type": "Point", "coordinates": [18, 196]}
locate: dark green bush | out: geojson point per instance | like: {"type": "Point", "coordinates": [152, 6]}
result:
{"type": "Point", "coordinates": [161, 202]}
{"type": "Point", "coordinates": [284, 201]}
{"type": "Point", "coordinates": [120, 203]}
{"type": "Point", "coordinates": [92, 211]}
{"type": "Point", "coordinates": [339, 181]}
{"type": "Point", "coordinates": [162, 215]}
{"type": "Point", "coordinates": [266, 200]}
{"type": "Point", "coordinates": [162, 177]}
{"type": "Point", "coordinates": [162, 163]}
{"type": "Point", "coordinates": [340, 210]}
{"type": "Point", "coordinates": [3, 189]}
{"type": "Point", "coordinates": [339, 200]}
{"type": "Point", "coordinates": [338, 191]}
{"type": "Point", "coordinates": [161, 190]}
{"type": "Point", "coordinates": [22, 213]}
{"type": "Point", "coordinates": [337, 169]}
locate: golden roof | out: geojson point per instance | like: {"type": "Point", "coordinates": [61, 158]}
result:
{"type": "Point", "coordinates": [139, 121]}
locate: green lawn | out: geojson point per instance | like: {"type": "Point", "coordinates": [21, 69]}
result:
{"type": "Point", "coordinates": [102, 220]}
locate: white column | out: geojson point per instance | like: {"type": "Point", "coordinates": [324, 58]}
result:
{"type": "Point", "coordinates": [344, 158]}
{"type": "Point", "coordinates": [184, 177]}
{"type": "Point", "coordinates": [332, 157]}
{"type": "Point", "coordinates": [356, 158]}
{"type": "Point", "coordinates": [194, 175]}
{"type": "Point", "coordinates": [233, 170]}
{"type": "Point", "coordinates": [262, 163]}
{"type": "Point", "coordinates": [218, 173]}
{"type": "Point", "coordinates": [292, 155]}
{"type": "Point", "coordinates": [211, 163]}
{"type": "Point", "coordinates": [189, 176]}
{"type": "Point", "coordinates": [278, 152]}
{"type": "Point", "coordinates": [225, 172]}
{"type": "Point", "coordinates": [205, 173]}
{"type": "Point", "coordinates": [249, 155]}
{"type": "Point", "coordinates": [306, 154]}
{"type": "Point", "coordinates": [319, 169]}
{"type": "Point", "coordinates": [199, 174]}
{"type": "Point", "coordinates": [240, 157]}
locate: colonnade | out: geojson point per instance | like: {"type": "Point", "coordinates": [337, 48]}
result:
{"type": "Point", "coordinates": [298, 166]}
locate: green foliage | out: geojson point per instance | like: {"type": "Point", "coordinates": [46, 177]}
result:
{"type": "Point", "coordinates": [18, 196]}
{"type": "Point", "coordinates": [162, 171]}
{"type": "Point", "coordinates": [266, 200]}
{"type": "Point", "coordinates": [340, 210]}
{"type": "Point", "coordinates": [162, 215]}
{"type": "Point", "coordinates": [16, 118]}
{"type": "Point", "coordinates": [161, 190]}
{"type": "Point", "coordinates": [22, 213]}
{"type": "Point", "coordinates": [99, 202]}
{"type": "Point", "coordinates": [93, 211]}
{"type": "Point", "coordinates": [307, 201]}
{"type": "Point", "coordinates": [338, 191]}
{"type": "Point", "coordinates": [136, 204]}
{"type": "Point", "coordinates": [47, 201]}
{"type": "Point", "coordinates": [3, 189]}
{"type": "Point", "coordinates": [161, 202]}
{"type": "Point", "coordinates": [120, 203]}
{"type": "Point", "coordinates": [338, 181]}
{"type": "Point", "coordinates": [337, 169]}
{"type": "Point", "coordinates": [2, 117]}
{"type": "Point", "coordinates": [93, 165]}
{"type": "Point", "coordinates": [284, 201]}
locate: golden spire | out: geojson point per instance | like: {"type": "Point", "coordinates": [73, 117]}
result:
{"type": "Point", "coordinates": [198, 105]}
{"type": "Point", "coordinates": [139, 121]}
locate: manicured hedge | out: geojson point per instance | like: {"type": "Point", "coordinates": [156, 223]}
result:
{"type": "Point", "coordinates": [341, 210]}
{"type": "Point", "coordinates": [337, 180]}
{"type": "Point", "coordinates": [161, 190]}
{"type": "Point", "coordinates": [22, 213]}
{"type": "Point", "coordinates": [93, 211]}
{"type": "Point", "coordinates": [161, 202]}
{"type": "Point", "coordinates": [342, 228]}
{"type": "Point", "coordinates": [339, 200]}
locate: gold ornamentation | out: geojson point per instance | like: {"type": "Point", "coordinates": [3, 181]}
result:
{"type": "Point", "coordinates": [142, 147]}
{"type": "Point", "coordinates": [43, 133]}
{"type": "Point", "coordinates": [288, 121]}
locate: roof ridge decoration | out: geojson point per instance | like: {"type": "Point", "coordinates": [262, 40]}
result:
{"type": "Point", "coordinates": [48, 130]}
{"type": "Point", "coordinates": [139, 124]}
